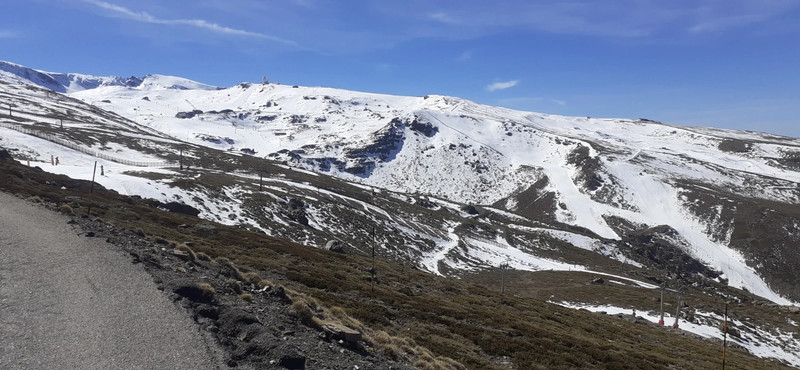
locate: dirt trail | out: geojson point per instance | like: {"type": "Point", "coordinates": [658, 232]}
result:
{"type": "Point", "coordinates": [71, 301]}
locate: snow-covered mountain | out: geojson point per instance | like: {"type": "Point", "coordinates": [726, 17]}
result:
{"type": "Point", "coordinates": [74, 82]}
{"type": "Point", "coordinates": [719, 203]}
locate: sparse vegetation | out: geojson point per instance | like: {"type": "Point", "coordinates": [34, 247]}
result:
{"type": "Point", "coordinates": [445, 323]}
{"type": "Point", "coordinates": [207, 290]}
{"type": "Point", "coordinates": [235, 285]}
{"type": "Point", "coordinates": [304, 308]}
{"type": "Point", "coordinates": [184, 248]}
{"type": "Point", "coordinates": [264, 283]}
{"type": "Point", "coordinates": [250, 277]}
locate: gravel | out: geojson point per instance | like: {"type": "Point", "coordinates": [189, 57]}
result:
{"type": "Point", "coordinates": [72, 301]}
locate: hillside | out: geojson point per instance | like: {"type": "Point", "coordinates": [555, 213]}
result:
{"type": "Point", "coordinates": [450, 187]}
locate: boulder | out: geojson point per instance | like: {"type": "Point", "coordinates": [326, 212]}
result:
{"type": "Point", "coordinates": [181, 208]}
{"type": "Point", "coordinates": [342, 332]}
{"type": "Point", "coordinates": [293, 359]}
{"type": "Point", "coordinates": [334, 246]}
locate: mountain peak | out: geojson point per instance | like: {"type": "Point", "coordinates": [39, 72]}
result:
{"type": "Point", "coordinates": [74, 82]}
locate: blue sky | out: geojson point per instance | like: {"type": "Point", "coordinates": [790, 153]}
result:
{"type": "Point", "coordinates": [722, 63]}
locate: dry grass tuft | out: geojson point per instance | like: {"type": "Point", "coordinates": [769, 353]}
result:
{"type": "Point", "coordinates": [246, 296]}
{"type": "Point", "coordinates": [185, 248]}
{"type": "Point", "coordinates": [65, 208]}
{"type": "Point", "coordinates": [203, 257]}
{"type": "Point", "coordinates": [247, 277]}
{"type": "Point", "coordinates": [223, 261]}
{"type": "Point", "coordinates": [234, 284]}
{"type": "Point", "coordinates": [425, 361]}
{"type": "Point", "coordinates": [207, 289]}
{"type": "Point", "coordinates": [250, 277]}
{"type": "Point", "coordinates": [304, 308]}
{"type": "Point", "coordinates": [263, 283]}
{"type": "Point", "coordinates": [140, 232]}
{"type": "Point", "coordinates": [337, 314]}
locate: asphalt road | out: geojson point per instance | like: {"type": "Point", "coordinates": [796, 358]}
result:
{"type": "Point", "coordinates": [72, 302]}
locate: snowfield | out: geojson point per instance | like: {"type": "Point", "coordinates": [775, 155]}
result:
{"type": "Point", "coordinates": [452, 149]}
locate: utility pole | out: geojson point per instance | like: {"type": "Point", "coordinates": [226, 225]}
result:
{"type": "Point", "coordinates": [260, 180]}
{"type": "Point", "coordinates": [180, 158]}
{"type": "Point", "coordinates": [661, 320]}
{"type": "Point", "coordinates": [503, 267]}
{"type": "Point", "coordinates": [373, 261]}
{"type": "Point", "coordinates": [677, 312]}
{"type": "Point", "coordinates": [724, 335]}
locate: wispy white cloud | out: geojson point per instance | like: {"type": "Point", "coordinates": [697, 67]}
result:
{"type": "Point", "coordinates": [6, 34]}
{"type": "Point", "coordinates": [383, 67]}
{"type": "Point", "coordinates": [443, 17]}
{"type": "Point", "coordinates": [502, 85]}
{"type": "Point", "coordinates": [625, 19]}
{"type": "Point", "coordinates": [197, 23]}
{"type": "Point", "coordinates": [724, 23]}
{"type": "Point", "coordinates": [465, 56]}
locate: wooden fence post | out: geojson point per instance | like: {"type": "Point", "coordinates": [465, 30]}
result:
{"type": "Point", "coordinates": [91, 190]}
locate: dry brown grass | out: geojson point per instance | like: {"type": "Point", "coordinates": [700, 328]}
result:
{"type": "Point", "coordinates": [250, 277]}
{"type": "Point", "coordinates": [203, 257]}
{"type": "Point", "coordinates": [234, 284]}
{"type": "Point", "coordinates": [263, 283]}
{"type": "Point", "coordinates": [246, 296]}
{"type": "Point", "coordinates": [65, 208]}
{"type": "Point", "coordinates": [207, 289]}
{"type": "Point", "coordinates": [187, 250]}
{"type": "Point", "coordinates": [301, 309]}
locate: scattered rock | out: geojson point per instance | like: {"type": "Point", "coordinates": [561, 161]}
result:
{"type": "Point", "coordinates": [296, 211]}
{"type": "Point", "coordinates": [181, 208]}
{"type": "Point", "coordinates": [185, 256]}
{"type": "Point", "coordinates": [190, 114]}
{"type": "Point", "coordinates": [598, 281]}
{"type": "Point", "coordinates": [334, 246]}
{"type": "Point", "coordinates": [293, 360]}
{"type": "Point", "coordinates": [192, 291]}
{"type": "Point", "coordinates": [341, 332]}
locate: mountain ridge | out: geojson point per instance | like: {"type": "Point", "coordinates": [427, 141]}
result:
{"type": "Point", "coordinates": [609, 176]}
